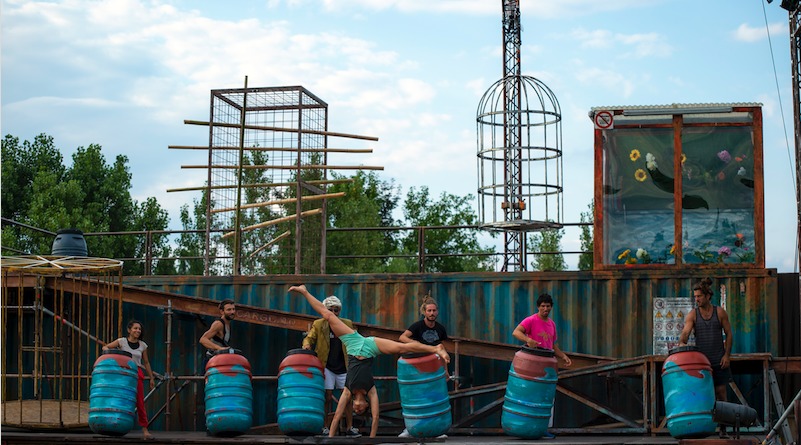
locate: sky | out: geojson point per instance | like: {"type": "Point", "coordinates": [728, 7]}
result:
{"type": "Point", "coordinates": [125, 74]}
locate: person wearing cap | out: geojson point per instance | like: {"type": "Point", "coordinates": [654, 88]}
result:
{"type": "Point", "coordinates": [334, 356]}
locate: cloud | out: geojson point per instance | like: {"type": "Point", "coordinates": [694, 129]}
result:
{"type": "Point", "coordinates": [625, 45]}
{"type": "Point", "coordinates": [746, 33]}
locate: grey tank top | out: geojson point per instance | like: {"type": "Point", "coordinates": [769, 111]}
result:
{"type": "Point", "coordinates": [709, 336]}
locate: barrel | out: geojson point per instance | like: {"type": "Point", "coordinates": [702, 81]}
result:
{"type": "Point", "coordinates": [423, 386]}
{"type": "Point", "coordinates": [530, 391]}
{"type": "Point", "coordinates": [689, 393]}
{"type": "Point", "coordinates": [229, 394]}
{"type": "Point", "coordinates": [112, 395]}
{"type": "Point", "coordinates": [69, 242]}
{"type": "Point", "coordinates": [301, 393]}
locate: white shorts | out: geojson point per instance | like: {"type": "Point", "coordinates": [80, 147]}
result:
{"type": "Point", "coordinates": [334, 381]}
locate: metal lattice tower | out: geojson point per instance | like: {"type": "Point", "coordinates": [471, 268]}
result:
{"type": "Point", "coordinates": [519, 151]}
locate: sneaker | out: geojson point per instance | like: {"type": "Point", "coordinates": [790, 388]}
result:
{"type": "Point", "coordinates": [442, 436]}
{"type": "Point", "coordinates": [404, 433]}
{"type": "Point", "coordinates": [353, 432]}
{"type": "Point", "coordinates": [325, 431]}
{"type": "Point", "coordinates": [548, 435]}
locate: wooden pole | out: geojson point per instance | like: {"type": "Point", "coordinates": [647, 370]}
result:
{"type": "Point", "coordinates": [273, 184]}
{"type": "Point", "coordinates": [292, 149]}
{"type": "Point", "coordinates": [273, 222]}
{"type": "Point", "coordinates": [282, 201]}
{"type": "Point", "coordinates": [291, 167]}
{"type": "Point", "coordinates": [269, 243]}
{"type": "Point", "coordinates": [290, 130]}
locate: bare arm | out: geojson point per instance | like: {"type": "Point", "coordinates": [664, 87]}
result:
{"type": "Point", "coordinates": [724, 322]}
{"type": "Point", "coordinates": [214, 329]}
{"type": "Point", "coordinates": [562, 355]}
{"type": "Point", "coordinates": [146, 364]}
{"type": "Point", "coordinates": [342, 405]}
{"type": "Point", "coordinates": [113, 345]}
{"type": "Point", "coordinates": [373, 396]}
{"type": "Point", "coordinates": [520, 334]}
{"type": "Point", "coordinates": [689, 325]}
{"type": "Point", "coordinates": [406, 337]}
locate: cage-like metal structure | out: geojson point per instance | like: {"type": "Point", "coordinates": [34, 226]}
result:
{"type": "Point", "coordinates": [520, 174]}
{"type": "Point", "coordinates": [266, 152]}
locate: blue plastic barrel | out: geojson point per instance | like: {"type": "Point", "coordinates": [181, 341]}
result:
{"type": "Point", "coordinates": [112, 395]}
{"type": "Point", "coordinates": [301, 393]}
{"type": "Point", "coordinates": [530, 391]}
{"type": "Point", "coordinates": [689, 393]}
{"type": "Point", "coordinates": [69, 242]}
{"type": "Point", "coordinates": [229, 394]}
{"type": "Point", "coordinates": [425, 404]}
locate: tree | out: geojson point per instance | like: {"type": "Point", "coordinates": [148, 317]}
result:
{"type": "Point", "coordinates": [191, 245]}
{"type": "Point", "coordinates": [548, 241]}
{"type": "Point", "coordinates": [441, 245]}
{"type": "Point", "coordinates": [368, 202]}
{"type": "Point", "coordinates": [586, 259]}
{"type": "Point", "coordinates": [90, 195]}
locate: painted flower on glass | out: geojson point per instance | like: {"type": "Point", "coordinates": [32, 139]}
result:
{"type": "Point", "coordinates": [724, 156]}
{"type": "Point", "coordinates": [640, 175]}
{"type": "Point", "coordinates": [741, 171]}
{"type": "Point", "coordinates": [634, 155]}
{"type": "Point", "coordinates": [650, 162]}
{"type": "Point", "coordinates": [740, 238]}
{"type": "Point", "coordinates": [683, 158]}
{"type": "Point", "coordinates": [624, 254]}
{"type": "Point", "coordinates": [724, 251]}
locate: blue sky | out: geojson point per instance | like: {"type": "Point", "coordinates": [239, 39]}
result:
{"type": "Point", "coordinates": [126, 73]}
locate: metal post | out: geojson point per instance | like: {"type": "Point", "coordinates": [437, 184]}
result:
{"type": "Point", "coordinates": [168, 364]}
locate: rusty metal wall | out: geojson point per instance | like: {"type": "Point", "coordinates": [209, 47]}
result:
{"type": "Point", "coordinates": [598, 313]}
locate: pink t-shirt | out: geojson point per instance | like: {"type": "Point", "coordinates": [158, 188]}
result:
{"type": "Point", "coordinates": [543, 331]}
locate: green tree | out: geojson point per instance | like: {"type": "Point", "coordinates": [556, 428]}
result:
{"type": "Point", "coordinates": [441, 245]}
{"type": "Point", "coordinates": [548, 241]}
{"type": "Point", "coordinates": [90, 195]}
{"type": "Point", "coordinates": [368, 202]}
{"type": "Point", "coordinates": [191, 245]}
{"type": "Point", "coordinates": [586, 259]}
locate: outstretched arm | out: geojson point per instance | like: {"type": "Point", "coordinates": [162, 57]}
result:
{"type": "Point", "coordinates": [342, 405]}
{"type": "Point", "coordinates": [373, 396]}
{"type": "Point", "coordinates": [337, 326]}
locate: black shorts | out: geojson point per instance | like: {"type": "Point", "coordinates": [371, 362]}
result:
{"type": "Point", "coordinates": [721, 376]}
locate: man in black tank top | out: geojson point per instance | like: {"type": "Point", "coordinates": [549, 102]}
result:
{"type": "Point", "coordinates": [219, 333]}
{"type": "Point", "coordinates": [710, 322]}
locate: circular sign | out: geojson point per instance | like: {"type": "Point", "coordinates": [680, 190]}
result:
{"type": "Point", "coordinates": [603, 120]}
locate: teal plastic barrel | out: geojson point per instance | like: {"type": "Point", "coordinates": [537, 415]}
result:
{"type": "Point", "coordinates": [112, 395]}
{"type": "Point", "coordinates": [301, 393]}
{"type": "Point", "coordinates": [689, 393]}
{"type": "Point", "coordinates": [530, 391]}
{"type": "Point", "coordinates": [229, 394]}
{"type": "Point", "coordinates": [423, 386]}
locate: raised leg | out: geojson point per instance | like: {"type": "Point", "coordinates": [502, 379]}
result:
{"type": "Point", "coordinates": [337, 327]}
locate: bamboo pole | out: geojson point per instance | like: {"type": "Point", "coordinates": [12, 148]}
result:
{"type": "Point", "coordinates": [281, 201]}
{"type": "Point", "coordinates": [269, 243]}
{"type": "Point", "coordinates": [290, 130]}
{"type": "Point", "coordinates": [273, 184]}
{"type": "Point", "coordinates": [273, 222]}
{"type": "Point", "coordinates": [292, 149]}
{"type": "Point", "coordinates": [291, 167]}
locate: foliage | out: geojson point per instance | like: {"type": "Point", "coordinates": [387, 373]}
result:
{"type": "Point", "coordinates": [449, 210]}
{"type": "Point", "coordinates": [585, 261]}
{"type": "Point", "coordinates": [90, 195]}
{"type": "Point", "coordinates": [548, 241]}
{"type": "Point", "coordinates": [368, 202]}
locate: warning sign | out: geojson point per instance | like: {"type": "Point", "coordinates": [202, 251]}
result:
{"type": "Point", "coordinates": [604, 120]}
{"type": "Point", "coordinates": [669, 316]}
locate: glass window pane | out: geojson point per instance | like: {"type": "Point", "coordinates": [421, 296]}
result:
{"type": "Point", "coordinates": [718, 195]}
{"type": "Point", "coordinates": [638, 196]}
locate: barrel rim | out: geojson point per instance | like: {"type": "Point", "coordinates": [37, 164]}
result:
{"type": "Point", "coordinates": [69, 231]}
{"type": "Point", "coordinates": [679, 349]}
{"type": "Point", "coordinates": [542, 352]}
{"type": "Point", "coordinates": [301, 351]}
{"type": "Point", "coordinates": [117, 352]}
{"type": "Point", "coordinates": [226, 351]}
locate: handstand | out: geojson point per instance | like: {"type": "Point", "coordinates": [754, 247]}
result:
{"type": "Point", "coordinates": [359, 384]}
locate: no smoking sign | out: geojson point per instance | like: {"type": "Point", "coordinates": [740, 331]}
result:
{"type": "Point", "coordinates": [603, 120]}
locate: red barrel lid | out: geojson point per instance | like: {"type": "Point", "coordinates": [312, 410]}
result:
{"type": "Point", "coordinates": [678, 349]}
{"type": "Point", "coordinates": [226, 351]}
{"type": "Point", "coordinates": [542, 352]}
{"type": "Point", "coordinates": [301, 351]}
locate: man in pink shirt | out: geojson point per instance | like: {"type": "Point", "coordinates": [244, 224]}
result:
{"type": "Point", "coordinates": [539, 331]}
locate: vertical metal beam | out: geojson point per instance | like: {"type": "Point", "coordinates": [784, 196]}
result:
{"type": "Point", "coordinates": [238, 216]}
